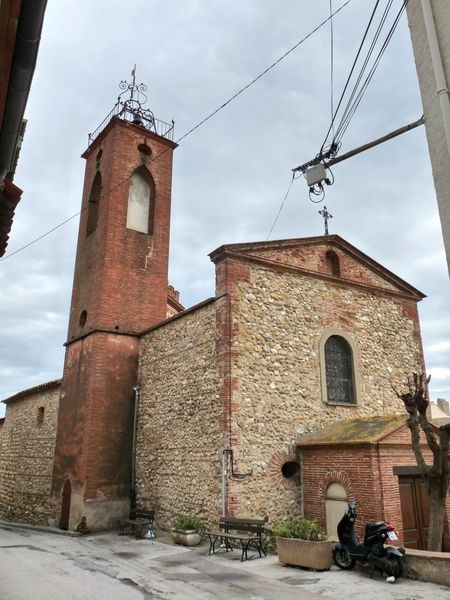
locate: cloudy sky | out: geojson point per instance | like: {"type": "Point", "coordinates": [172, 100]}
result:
{"type": "Point", "coordinates": [231, 174]}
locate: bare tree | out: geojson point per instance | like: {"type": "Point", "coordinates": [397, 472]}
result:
{"type": "Point", "coordinates": [437, 475]}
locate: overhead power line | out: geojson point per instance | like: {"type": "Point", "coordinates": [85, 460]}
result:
{"type": "Point", "coordinates": [317, 171]}
{"type": "Point", "coordinates": [199, 124]}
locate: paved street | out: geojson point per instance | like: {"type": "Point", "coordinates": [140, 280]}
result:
{"type": "Point", "coordinates": [38, 565]}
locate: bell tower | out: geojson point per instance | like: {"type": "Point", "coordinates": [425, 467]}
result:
{"type": "Point", "coordinates": [120, 288]}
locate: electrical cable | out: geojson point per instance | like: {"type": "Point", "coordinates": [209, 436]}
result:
{"type": "Point", "coordinates": [190, 130]}
{"type": "Point", "coordinates": [264, 72]}
{"type": "Point", "coordinates": [344, 125]}
{"type": "Point", "coordinates": [366, 62]}
{"type": "Point", "coordinates": [350, 74]}
{"type": "Point", "coordinates": [331, 66]}
{"type": "Point", "coordinates": [281, 205]}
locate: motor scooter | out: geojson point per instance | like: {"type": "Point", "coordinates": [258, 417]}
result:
{"type": "Point", "coordinates": [373, 552]}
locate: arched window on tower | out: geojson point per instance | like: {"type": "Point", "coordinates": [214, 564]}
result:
{"type": "Point", "coordinates": [339, 371]}
{"type": "Point", "coordinates": [332, 260]}
{"type": "Point", "coordinates": [93, 205]}
{"type": "Point", "coordinates": [140, 201]}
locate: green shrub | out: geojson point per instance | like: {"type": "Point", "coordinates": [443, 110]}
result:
{"type": "Point", "coordinates": [299, 528]}
{"type": "Point", "coordinates": [187, 522]}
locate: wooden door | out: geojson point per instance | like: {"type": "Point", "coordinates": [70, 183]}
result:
{"type": "Point", "coordinates": [65, 505]}
{"type": "Point", "coordinates": [415, 511]}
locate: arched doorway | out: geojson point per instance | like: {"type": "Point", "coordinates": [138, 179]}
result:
{"type": "Point", "coordinates": [335, 506]}
{"type": "Point", "coordinates": [65, 505]}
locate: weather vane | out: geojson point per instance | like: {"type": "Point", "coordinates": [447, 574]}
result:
{"type": "Point", "coordinates": [133, 104]}
{"type": "Point", "coordinates": [129, 107]}
{"type": "Point", "coordinates": [326, 215]}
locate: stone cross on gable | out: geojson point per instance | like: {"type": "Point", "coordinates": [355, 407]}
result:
{"type": "Point", "coordinates": [326, 215]}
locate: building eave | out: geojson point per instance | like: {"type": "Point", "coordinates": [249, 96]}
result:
{"type": "Point", "coordinates": [43, 387]}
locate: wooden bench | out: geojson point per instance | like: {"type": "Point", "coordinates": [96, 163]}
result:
{"type": "Point", "coordinates": [248, 532]}
{"type": "Point", "coordinates": [139, 522]}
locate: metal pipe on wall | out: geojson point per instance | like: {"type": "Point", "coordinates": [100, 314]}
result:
{"type": "Point", "coordinates": [136, 391]}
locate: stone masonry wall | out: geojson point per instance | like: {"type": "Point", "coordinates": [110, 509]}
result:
{"type": "Point", "coordinates": [26, 458]}
{"type": "Point", "coordinates": [179, 442]}
{"type": "Point", "coordinates": [279, 319]}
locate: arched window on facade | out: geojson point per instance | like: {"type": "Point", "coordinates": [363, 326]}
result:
{"type": "Point", "coordinates": [140, 202]}
{"type": "Point", "coordinates": [335, 507]}
{"type": "Point", "coordinates": [332, 260]}
{"type": "Point", "coordinates": [93, 205]}
{"type": "Point", "coordinates": [339, 371]}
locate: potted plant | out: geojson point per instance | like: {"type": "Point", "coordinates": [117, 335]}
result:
{"type": "Point", "coordinates": [303, 543]}
{"type": "Point", "coordinates": [187, 530]}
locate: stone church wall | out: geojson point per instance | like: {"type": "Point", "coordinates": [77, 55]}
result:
{"type": "Point", "coordinates": [27, 445]}
{"type": "Point", "coordinates": [178, 456]}
{"type": "Point", "coordinates": [279, 320]}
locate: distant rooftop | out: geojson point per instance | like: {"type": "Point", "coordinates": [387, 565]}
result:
{"type": "Point", "coordinates": [131, 109]}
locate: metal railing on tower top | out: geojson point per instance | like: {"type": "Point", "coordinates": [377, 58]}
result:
{"type": "Point", "coordinates": [131, 110]}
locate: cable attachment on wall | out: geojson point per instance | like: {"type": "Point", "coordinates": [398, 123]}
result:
{"type": "Point", "coordinates": [230, 467]}
{"type": "Point", "coordinates": [317, 173]}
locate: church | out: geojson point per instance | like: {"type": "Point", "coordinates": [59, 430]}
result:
{"type": "Point", "coordinates": [272, 398]}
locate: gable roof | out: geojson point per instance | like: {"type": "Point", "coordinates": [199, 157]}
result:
{"type": "Point", "coordinates": [42, 387]}
{"type": "Point", "coordinates": [263, 253]}
{"type": "Point", "coordinates": [362, 430]}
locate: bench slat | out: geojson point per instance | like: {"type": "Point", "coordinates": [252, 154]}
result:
{"type": "Point", "coordinates": [233, 528]}
{"type": "Point", "coordinates": [139, 520]}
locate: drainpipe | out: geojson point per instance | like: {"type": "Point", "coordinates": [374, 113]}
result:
{"type": "Point", "coordinates": [224, 482]}
{"type": "Point", "coordinates": [136, 391]}
{"type": "Point", "coordinates": [438, 69]}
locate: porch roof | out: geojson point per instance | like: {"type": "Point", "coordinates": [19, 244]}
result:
{"type": "Point", "coordinates": [362, 430]}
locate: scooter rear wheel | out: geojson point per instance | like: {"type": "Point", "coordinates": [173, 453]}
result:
{"type": "Point", "coordinates": [342, 559]}
{"type": "Point", "coordinates": [396, 564]}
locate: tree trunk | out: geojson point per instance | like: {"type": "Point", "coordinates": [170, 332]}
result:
{"type": "Point", "coordinates": [437, 517]}
{"type": "Point", "coordinates": [438, 440]}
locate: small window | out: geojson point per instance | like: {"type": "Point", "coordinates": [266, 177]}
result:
{"type": "Point", "coordinates": [144, 149]}
{"type": "Point", "coordinates": [332, 260]}
{"type": "Point", "coordinates": [339, 371]}
{"type": "Point", "coordinates": [40, 415]}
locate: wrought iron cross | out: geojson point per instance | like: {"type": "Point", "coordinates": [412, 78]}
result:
{"type": "Point", "coordinates": [326, 215]}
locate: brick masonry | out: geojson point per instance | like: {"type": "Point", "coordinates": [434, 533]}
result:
{"type": "Point", "coordinates": [367, 473]}
{"type": "Point", "coordinates": [120, 288]}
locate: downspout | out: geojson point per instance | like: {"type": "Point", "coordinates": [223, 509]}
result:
{"type": "Point", "coordinates": [438, 68]}
{"type": "Point", "coordinates": [136, 391]}
{"type": "Point", "coordinates": [224, 483]}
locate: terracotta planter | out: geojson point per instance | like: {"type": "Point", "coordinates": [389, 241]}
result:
{"type": "Point", "coordinates": [186, 537]}
{"type": "Point", "coordinates": [302, 553]}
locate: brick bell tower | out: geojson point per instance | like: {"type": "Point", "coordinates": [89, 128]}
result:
{"type": "Point", "coordinates": [120, 288]}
